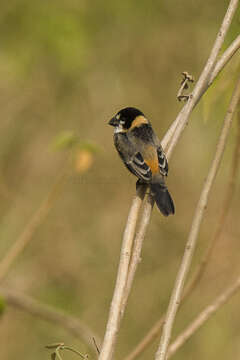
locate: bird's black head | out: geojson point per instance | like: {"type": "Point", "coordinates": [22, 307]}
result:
{"type": "Point", "coordinates": [125, 117]}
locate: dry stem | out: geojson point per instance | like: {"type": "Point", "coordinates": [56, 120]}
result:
{"type": "Point", "coordinates": [180, 122]}
{"type": "Point", "coordinates": [222, 219]}
{"type": "Point", "coordinates": [155, 330]}
{"type": "Point", "coordinates": [203, 80]}
{"type": "Point", "coordinates": [221, 63]}
{"type": "Point", "coordinates": [193, 235]}
{"type": "Point", "coordinates": [224, 59]}
{"type": "Point", "coordinates": [48, 313]}
{"type": "Point", "coordinates": [203, 317]}
{"type": "Point", "coordinates": [31, 227]}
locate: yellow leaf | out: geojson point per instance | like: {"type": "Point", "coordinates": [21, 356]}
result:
{"type": "Point", "coordinates": [84, 160]}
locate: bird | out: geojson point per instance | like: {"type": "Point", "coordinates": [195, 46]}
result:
{"type": "Point", "coordinates": [140, 150]}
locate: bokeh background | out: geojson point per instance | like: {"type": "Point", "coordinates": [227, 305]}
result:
{"type": "Point", "coordinates": [65, 68]}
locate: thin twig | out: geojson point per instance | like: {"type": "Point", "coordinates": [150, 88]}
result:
{"type": "Point", "coordinates": [193, 235]}
{"type": "Point", "coordinates": [221, 63]}
{"type": "Point", "coordinates": [224, 59]}
{"type": "Point", "coordinates": [222, 218]}
{"type": "Point", "coordinates": [74, 351]}
{"type": "Point", "coordinates": [31, 227]}
{"type": "Point", "coordinates": [202, 82]}
{"type": "Point", "coordinates": [203, 317]}
{"type": "Point", "coordinates": [50, 314]}
{"type": "Point", "coordinates": [96, 345]}
{"type": "Point", "coordinates": [116, 304]}
{"type": "Point", "coordinates": [156, 328]}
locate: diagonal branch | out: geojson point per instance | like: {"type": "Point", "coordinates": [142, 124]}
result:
{"type": "Point", "coordinates": [193, 235]}
{"type": "Point", "coordinates": [155, 330]}
{"type": "Point", "coordinates": [50, 314]}
{"type": "Point", "coordinates": [224, 59]}
{"type": "Point", "coordinates": [202, 82]}
{"type": "Point", "coordinates": [222, 218]}
{"type": "Point", "coordinates": [120, 286]}
{"type": "Point", "coordinates": [31, 227]}
{"type": "Point", "coordinates": [221, 63]}
{"type": "Point", "coordinates": [200, 320]}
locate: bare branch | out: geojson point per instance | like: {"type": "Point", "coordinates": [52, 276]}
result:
{"type": "Point", "coordinates": [193, 235]}
{"type": "Point", "coordinates": [202, 82]}
{"type": "Point", "coordinates": [225, 58]}
{"type": "Point", "coordinates": [49, 313]}
{"type": "Point", "coordinates": [116, 305]}
{"type": "Point", "coordinates": [222, 218]}
{"type": "Point", "coordinates": [31, 227]}
{"type": "Point", "coordinates": [156, 328]}
{"type": "Point", "coordinates": [178, 127]}
{"type": "Point", "coordinates": [203, 317]}
{"type": "Point", "coordinates": [221, 63]}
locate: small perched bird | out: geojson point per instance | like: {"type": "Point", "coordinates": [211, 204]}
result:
{"type": "Point", "coordinates": [142, 153]}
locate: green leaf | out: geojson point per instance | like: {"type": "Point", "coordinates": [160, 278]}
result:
{"type": "Point", "coordinates": [85, 145]}
{"type": "Point", "coordinates": [65, 140]}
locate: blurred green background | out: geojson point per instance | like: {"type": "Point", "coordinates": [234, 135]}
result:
{"type": "Point", "coordinates": [68, 66]}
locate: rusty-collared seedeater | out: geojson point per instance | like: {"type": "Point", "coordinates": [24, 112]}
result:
{"type": "Point", "coordinates": [142, 153]}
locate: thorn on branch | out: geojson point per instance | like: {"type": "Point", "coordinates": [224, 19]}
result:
{"type": "Point", "coordinates": [96, 346]}
{"type": "Point", "coordinates": [187, 78]}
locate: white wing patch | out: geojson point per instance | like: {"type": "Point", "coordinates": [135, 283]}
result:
{"type": "Point", "coordinates": [162, 162]}
{"type": "Point", "coordinates": [138, 166]}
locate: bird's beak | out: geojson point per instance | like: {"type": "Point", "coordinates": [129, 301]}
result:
{"type": "Point", "coordinates": [113, 121]}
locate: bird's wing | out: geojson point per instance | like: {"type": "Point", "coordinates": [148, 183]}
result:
{"type": "Point", "coordinates": [162, 161]}
{"type": "Point", "coordinates": [138, 167]}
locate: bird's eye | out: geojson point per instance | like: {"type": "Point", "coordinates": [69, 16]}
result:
{"type": "Point", "coordinates": [117, 116]}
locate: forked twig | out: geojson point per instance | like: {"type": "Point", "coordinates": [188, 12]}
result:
{"type": "Point", "coordinates": [221, 63]}
{"type": "Point", "coordinates": [202, 83]}
{"type": "Point", "coordinates": [156, 328]}
{"type": "Point", "coordinates": [151, 335]}
{"type": "Point", "coordinates": [193, 235]}
{"type": "Point", "coordinates": [229, 292]}
{"type": "Point", "coordinates": [120, 287]}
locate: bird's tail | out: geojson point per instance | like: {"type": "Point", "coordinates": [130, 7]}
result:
{"type": "Point", "coordinates": [163, 198]}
